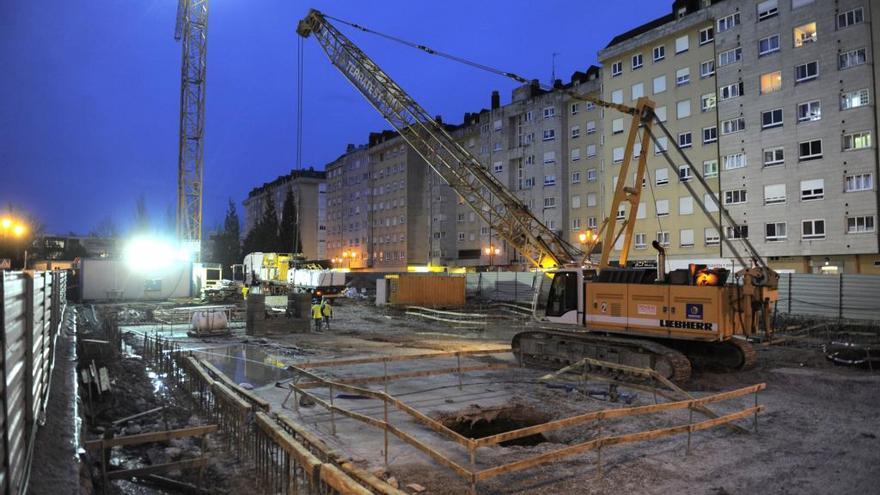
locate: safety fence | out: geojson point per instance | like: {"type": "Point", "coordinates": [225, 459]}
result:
{"type": "Point", "coordinates": [831, 296]}
{"type": "Point", "coordinates": [502, 286]}
{"type": "Point", "coordinates": [469, 471]}
{"type": "Point", "coordinates": [31, 313]}
{"type": "Point", "coordinates": [283, 462]}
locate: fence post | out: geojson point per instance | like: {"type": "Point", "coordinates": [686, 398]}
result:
{"type": "Point", "coordinates": [790, 280]}
{"type": "Point", "coordinates": [840, 297]}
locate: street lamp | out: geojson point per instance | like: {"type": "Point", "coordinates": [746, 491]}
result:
{"type": "Point", "coordinates": [16, 229]}
{"type": "Point", "coordinates": [348, 255]}
{"type": "Point", "coordinates": [492, 251]}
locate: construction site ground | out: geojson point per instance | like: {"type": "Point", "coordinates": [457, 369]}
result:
{"type": "Point", "coordinates": [818, 434]}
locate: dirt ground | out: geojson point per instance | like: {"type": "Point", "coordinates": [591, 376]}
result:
{"type": "Point", "coordinates": [819, 433]}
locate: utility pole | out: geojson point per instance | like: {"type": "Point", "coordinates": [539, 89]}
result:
{"type": "Point", "coordinates": [191, 30]}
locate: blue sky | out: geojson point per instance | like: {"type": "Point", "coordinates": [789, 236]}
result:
{"type": "Point", "coordinates": [90, 93]}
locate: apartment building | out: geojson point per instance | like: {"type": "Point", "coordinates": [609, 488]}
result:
{"type": "Point", "coordinates": [670, 60]}
{"type": "Point", "coordinates": [348, 207]}
{"type": "Point", "coordinates": [584, 155]}
{"type": "Point", "coordinates": [309, 190]}
{"type": "Point", "coordinates": [798, 129]}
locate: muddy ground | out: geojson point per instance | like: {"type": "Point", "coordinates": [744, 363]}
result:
{"type": "Point", "coordinates": [819, 433]}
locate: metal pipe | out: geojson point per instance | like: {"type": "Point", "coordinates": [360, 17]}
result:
{"type": "Point", "coordinates": [661, 260]}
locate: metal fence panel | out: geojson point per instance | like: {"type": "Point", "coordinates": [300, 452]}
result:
{"type": "Point", "coordinates": [14, 383]}
{"type": "Point", "coordinates": [501, 286]}
{"type": "Point", "coordinates": [848, 296]}
{"type": "Point", "coordinates": [861, 297]}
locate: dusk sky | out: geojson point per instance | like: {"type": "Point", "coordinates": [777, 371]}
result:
{"type": "Point", "coordinates": [91, 89]}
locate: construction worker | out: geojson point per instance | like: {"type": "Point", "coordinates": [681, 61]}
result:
{"type": "Point", "coordinates": [326, 312]}
{"type": "Point", "coordinates": [317, 315]}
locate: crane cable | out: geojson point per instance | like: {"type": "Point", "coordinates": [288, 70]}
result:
{"type": "Point", "coordinates": [299, 120]}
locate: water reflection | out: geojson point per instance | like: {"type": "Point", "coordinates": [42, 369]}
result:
{"type": "Point", "coordinates": [247, 364]}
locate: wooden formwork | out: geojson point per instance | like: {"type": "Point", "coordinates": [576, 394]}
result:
{"type": "Point", "coordinates": [470, 473]}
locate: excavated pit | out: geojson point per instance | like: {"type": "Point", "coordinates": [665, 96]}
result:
{"type": "Point", "coordinates": [477, 422]}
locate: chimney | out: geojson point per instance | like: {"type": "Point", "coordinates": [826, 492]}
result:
{"type": "Point", "coordinates": [534, 87]}
{"type": "Point", "coordinates": [496, 100]}
{"type": "Point", "coordinates": [557, 83]}
{"type": "Point", "coordinates": [349, 148]}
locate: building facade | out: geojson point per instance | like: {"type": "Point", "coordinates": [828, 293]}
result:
{"type": "Point", "coordinates": [309, 191]}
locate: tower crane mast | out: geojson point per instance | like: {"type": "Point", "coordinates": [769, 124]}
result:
{"type": "Point", "coordinates": [191, 30]}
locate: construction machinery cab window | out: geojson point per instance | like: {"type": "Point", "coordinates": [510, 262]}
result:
{"type": "Point", "coordinates": [563, 295]}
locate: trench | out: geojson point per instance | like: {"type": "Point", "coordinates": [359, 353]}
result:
{"type": "Point", "coordinates": [479, 423]}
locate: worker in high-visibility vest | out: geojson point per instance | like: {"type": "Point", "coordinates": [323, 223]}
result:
{"type": "Point", "coordinates": [317, 314]}
{"type": "Point", "coordinates": [327, 312]}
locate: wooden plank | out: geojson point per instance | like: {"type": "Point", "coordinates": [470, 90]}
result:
{"type": "Point", "coordinates": [310, 463]}
{"type": "Point", "coordinates": [197, 368]}
{"type": "Point", "coordinates": [537, 460]}
{"type": "Point", "coordinates": [699, 407]}
{"type": "Point", "coordinates": [614, 413]}
{"type": "Point", "coordinates": [409, 374]}
{"type": "Point", "coordinates": [158, 436]}
{"type": "Point", "coordinates": [374, 483]}
{"type": "Point", "coordinates": [402, 357]}
{"type": "Point", "coordinates": [251, 397]}
{"type": "Point", "coordinates": [158, 468]}
{"type": "Point", "coordinates": [223, 391]}
{"type": "Point", "coordinates": [340, 482]}
{"type": "Point", "coordinates": [460, 470]}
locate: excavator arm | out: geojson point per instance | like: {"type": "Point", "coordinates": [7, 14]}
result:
{"type": "Point", "coordinates": [485, 194]}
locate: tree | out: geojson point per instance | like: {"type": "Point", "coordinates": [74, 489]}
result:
{"type": "Point", "coordinates": [105, 228]}
{"type": "Point", "coordinates": [268, 227]}
{"type": "Point", "coordinates": [227, 247]}
{"type": "Point", "coordinates": [288, 234]}
{"type": "Point", "coordinates": [141, 216]}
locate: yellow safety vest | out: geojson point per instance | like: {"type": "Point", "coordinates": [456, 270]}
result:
{"type": "Point", "coordinates": [316, 312]}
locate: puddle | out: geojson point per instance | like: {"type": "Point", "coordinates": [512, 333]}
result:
{"type": "Point", "coordinates": [247, 364]}
{"type": "Point", "coordinates": [475, 422]}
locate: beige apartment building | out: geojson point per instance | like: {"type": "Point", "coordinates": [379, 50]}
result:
{"type": "Point", "coordinates": [671, 61]}
{"type": "Point", "coordinates": [309, 191]}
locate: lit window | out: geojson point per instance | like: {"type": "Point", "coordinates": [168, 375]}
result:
{"type": "Point", "coordinates": [855, 99]}
{"type": "Point", "coordinates": [812, 229]}
{"type": "Point", "coordinates": [860, 225]}
{"type": "Point", "coordinates": [809, 111]}
{"type": "Point", "coordinates": [770, 82]}
{"type": "Point", "coordinates": [774, 156]}
{"type": "Point", "coordinates": [805, 34]}
{"type": "Point", "coordinates": [775, 231]}
{"type": "Point", "coordinates": [659, 53]}
{"type": "Point", "coordinates": [812, 189]}
{"type": "Point", "coordinates": [857, 141]}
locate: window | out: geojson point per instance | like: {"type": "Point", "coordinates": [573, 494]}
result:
{"type": "Point", "coordinates": [774, 156]}
{"type": "Point", "coordinates": [733, 125]}
{"type": "Point", "coordinates": [805, 34]}
{"type": "Point", "coordinates": [591, 199]}
{"type": "Point", "coordinates": [637, 90]}
{"type": "Point", "coordinates": [728, 22]}
{"type": "Point", "coordinates": [529, 183]}
{"type": "Point", "coordinates": [810, 150]}
{"type": "Point", "coordinates": [616, 69]}
{"type": "Point", "coordinates": [640, 240]}
{"type": "Point", "coordinates": [575, 154]}
{"type": "Point", "coordinates": [663, 238]}
{"type": "Point", "coordinates": [549, 112]}
{"type": "Point", "coordinates": [774, 194]}
{"type": "Point", "coordinates": [497, 147]}
{"type": "Point", "coordinates": [660, 113]}
{"type": "Point", "coordinates": [498, 167]}
{"type": "Point", "coordinates": [707, 69]}
{"type": "Point", "coordinates": [682, 76]}
{"type": "Point", "coordinates": [686, 205]}
{"type": "Point", "coordinates": [686, 236]}
{"type": "Point", "coordinates": [461, 236]}
{"type": "Point", "coordinates": [846, 19]}
{"type": "Point", "coordinates": [767, 9]}
{"type": "Point", "coordinates": [774, 231]}
{"type": "Point", "coordinates": [591, 127]}
{"type": "Point", "coordinates": [659, 53]}
{"type": "Point", "coordinates": [707, 102]}
{"type": "Point", "coordinates": [771, 82]}
{"type": "Point", "coordinates": [661, 146]}
{"type": "Point", "coordinates": [550, 202]}
{"type": "Point", "coordinates": [591, 150]}
{"type": "Point", "coordinates": [497, 125]}
{"type": "Point", "coordinates": [858, 182]}
{"type": "Point", "coordinates": [738, 232]}
{"type": "Point", "coordinates": [857, 141]}
{"type": "Point", "coordinates": [735, 197]}
{"type": "Point", "coordinates": [637, 61]}
{"type": "Point", "coordinates": [809, 111]}
{"type": "Point", "coordinates": [575, 131]}
{"type": "Point", "coordinates": [685, 140]}
{"type": "Point", "coordinates": [707, 35]}
{"type": "Point", "coordinates": [681, 44]}
{"type": "Point", "coordinates": [617, 96]}
{"type": "Point", "coordinates": [852, 58]}
{"type": "Point", "coordinates": [661, 177]}
{"type": "Point", "coordinates": [710, 134]}
{"type": "Point", "coordinates": [812, 230]}
{"type": "Point", "coordinates": [617, 154]}
{"type": "Point", "coordinates": [735, 160]}
{"type": "Point", "coordinates": [591, 175]}
{"type": "Point", "coordinates": [854, 99]}
{"type": "Point", "coordinates": [812, 189]}
{"type": "Point", "coordinates": [575, 223]}
{"type": "Point", "coordinates": [683, 109]}
{"type": "Point", "coordinates": [575, 201]}
{"type": "Point", "coordinates": [641, 211]}
{"type": "Point", "coordinates": [575, 177]}
{"type": "Point", "coordinates": [730, 56]}
{"type": "Point", "coordinates": [659, 84]}
{"type": "Point", "coordinates": [549, 157]}
{"type": "Point", "coordinates": [799, 3]}
{"type": "Point", "coordinates": [859, 225]}
{"type": "Point", "coordinates": [710, 169]}
{"type": "Point", "coordinates": [575, 108]}
{"type": "Point", "coordinates": [731, 91]}
{"type": "Point", "coordinates": [549, 134]}
{"type": "Point", "coordinates": [684, 173]}
{"type": "Point", "coordinates": [806, 72]}
{"type": "Point", "coordinates": [771, 118]}
{"type": "Point", "coordinates": [662, 206]}
{"type": "Point", "coordinates": [590, 105]}
{"type": "Point", "coordinates": [711, 202]}
{"type": "Point", "coordinates": [621, 212]}
{"type": "Point", "coordinates": [711, 236]}
{"type": "Point", "coordinates": [592, 222]}
{"type": "Point", "coordinates": [768, 45]}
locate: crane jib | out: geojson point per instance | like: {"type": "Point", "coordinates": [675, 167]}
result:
{"type": "Point", "coordinates": [366, 82]}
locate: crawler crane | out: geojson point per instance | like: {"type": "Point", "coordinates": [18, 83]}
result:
{"type": "Point", "coordinates": [630, 316]}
